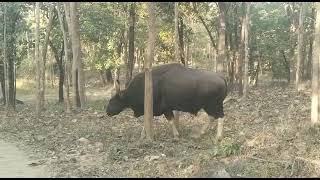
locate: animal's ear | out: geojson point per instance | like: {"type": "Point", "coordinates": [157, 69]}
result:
{"type": "Point", "coordinates": [117, 86]}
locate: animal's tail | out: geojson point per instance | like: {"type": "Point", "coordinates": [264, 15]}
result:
{"type": "Point", "coordinates": [226, 90]}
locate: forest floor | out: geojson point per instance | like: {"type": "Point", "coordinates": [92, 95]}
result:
{"type": "Point", "coordinates": [267, 135]}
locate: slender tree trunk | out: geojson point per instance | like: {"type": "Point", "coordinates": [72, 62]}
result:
{"type": "Point", "coordinates": [125, 55]}
{"type": "Point", "coordinates": [66, 60]}
{"type": "Point", "coordinates": [222, 36]}
{"type": "Point", "coordinates": [315, 106]}
{"type": "Point", "coordinates": [119, 51]}
{"type": "Point", "coordinates": [241, 59]}
{"type": "Point", "coordinates": [102, 78]}
{"type": "Point", "coordinates": [311, 39]}
{"type": "Point", "coordinates": [181, 43]}
{"type": "Point", "coordinates": [148, 100]}
{"type": "Point", "coordinates": [246, 52]}
{"type": "Point", "coordinates": [4, 85]}
{"type": "Point", "coordinates": [44, 56]}
{"type": "Point", "coordinates": [59, 61]}
{"type": "Point", "coordinates": [309, 63]}
{"type": "Point", "coordinates": [37, 56]}
{"type": "Point", "coordinates": [176, 32]}
{"type": "Point", "coordinates": [131, 42]}
{"type": "Point", "coordinates": [194, 4]}
{"type": "Point", "coordinates": [293, 47]}
{"type": "Point", "coordinates": [300, 46]}
{"type": "Point", "coordinates": [77, 68]}
{"type": "Point", "coordinates": [109, 75]}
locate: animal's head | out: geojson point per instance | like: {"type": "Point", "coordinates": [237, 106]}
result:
{"type": "Point", "coordinates": [117, 102]}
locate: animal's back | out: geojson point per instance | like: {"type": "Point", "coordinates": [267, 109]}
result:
{"type": "Point", "coordinates": [135, 90]}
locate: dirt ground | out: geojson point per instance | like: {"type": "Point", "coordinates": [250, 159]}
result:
{"type": "Point", "coordinates": [267, 135]}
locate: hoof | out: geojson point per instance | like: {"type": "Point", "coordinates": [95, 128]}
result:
{"type": "Point", "coordinates": [176, 139]}
{"type": "Point", "coordinates": [196, 136]}
{"type": "Point", "coordinates": [218, 139]}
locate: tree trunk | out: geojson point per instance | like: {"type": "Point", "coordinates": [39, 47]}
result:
{"type": "Point", "coordinates": [109, 75]}
{"type": "Point", "coordinates": [102, 78]}
{"type": "Point", "coordinates": [125, 55]}
{"type": "Point", "coordinates": [60, 66]}
{"type": "Point", "coordinates": [293, 47]}
{"type": "Point", "coordinates": [181, 43]}
{"type": "Point", "coordinates": [37, 57]}
{"type": "Point", "coordinates": [204, 24]}
{"type": "Point", "coordinates": [66, 60]}
{"type": "Point", "coordinates": [119, 51]}
{"type": "Point", "coordinates": [315, 106]}
{"type": "Point", "coordinates": [4, 79]}
{"type": "Point", "coordinates": [222, 36]}
{"type": "Point", "coordinates": [148, 100]}
{"type": "Point", "coordinates": [246, 54]}
{"type": "Point", "coordinates": [131, 42]}
{"type": "Point", "coordinates": [176, 32]}
{"type": "Point", "coordinates": [310, 54]}
{"type": "Point", "coordinates": [44, 56]}
{"type": "Point", "coordinates": [77, 66]}
{"type": "Point", "coordinates": [300, 46]}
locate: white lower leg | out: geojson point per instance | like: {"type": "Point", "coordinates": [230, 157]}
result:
{"type": "Point", "coordinates": [205, 126]}
{"type": "Point", "coordinates": [143, 133]}
{"type": "Point", "coordinates": [176, 119]}
{"type": "Point", "coordinates": [175, 131]}
{"type": "Point", "coordinates": [220, 128]}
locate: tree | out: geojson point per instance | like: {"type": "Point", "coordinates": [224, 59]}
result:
{"type": "Point", "coordinates": [148, 100]}
{"type": "Point", "coordinates": [66, 60]}
{"type": "Point", "coordinates": [77, 66]}
{"type": "Point", "coordinates": [245, 27]}
{"type": "Point", "coordinates": [315, 70]}
{"type": "Point", "coordinates": [222, 36]}
{"type": "Point", "coordinates": [130, 64]}
{"type": "Point", "coordinates": [300, 46]}
{"type": "Point", "coordinates": [38, 60]}
{"type": "Point", "coordinates": [176, 32]}
{"type": "Point", "coordinates": [44, 55]}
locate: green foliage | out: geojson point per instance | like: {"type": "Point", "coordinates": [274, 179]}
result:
{"type": "Point", "coordinates": [226, 148]}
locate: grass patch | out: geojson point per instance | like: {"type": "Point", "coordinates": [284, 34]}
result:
{"type": "Point", "coordinates": [226, 148]}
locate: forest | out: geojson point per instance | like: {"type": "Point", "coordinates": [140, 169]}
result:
{"type": "Point", "coordinates": [63, 63]}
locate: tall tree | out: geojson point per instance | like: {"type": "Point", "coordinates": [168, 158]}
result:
{"type": "Point", "coordinates": [222, 36]}
{"type": "Point", "coordinates": [77, 66]}
{"type": "Point", "coordinates": [66, 60]}
{"type": "Point", "coordinates": [4, 85]}
{"type": "Point", "coordinates": [44, 54]}
{"type": "Point", "coordinates": [300, 46]}
{"type": "Point", "coordinates": [176, 32]}
{"type": "Point", "coordinates": [246, 51]}
{"type": "Point", "coordinates": [148, 90]}
{"type": "Point", "coordinates": [38, 60]}
{"type": "Point", "coordinates": [315, 70]}
{"type": "Point", "coordinates": [130, 64]}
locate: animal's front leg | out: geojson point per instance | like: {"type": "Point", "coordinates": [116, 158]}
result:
{"type": "Point", "coordinates": [170, 116]}
{"type": "Point", "coordinates": [175, 131]}
{"type": "Point", "coordinates": [143, 134]}
{"type": "Point", "coordinates": [220, 129]}
{"type": "Point", "coordinates": [176, 119]}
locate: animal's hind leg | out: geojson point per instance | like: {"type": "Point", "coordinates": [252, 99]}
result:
{"type": "Point", "coordinates": [220, 129]}
{"type": "Point", "coordinates": [176, 118]}
{"type": "Point", "coordinates": [143, 134]}
{"type": "Point", "coordinates": [169, 115]}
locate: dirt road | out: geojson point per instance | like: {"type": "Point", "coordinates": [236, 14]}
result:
{"type": "Point", "coordinates": [14, 163]}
